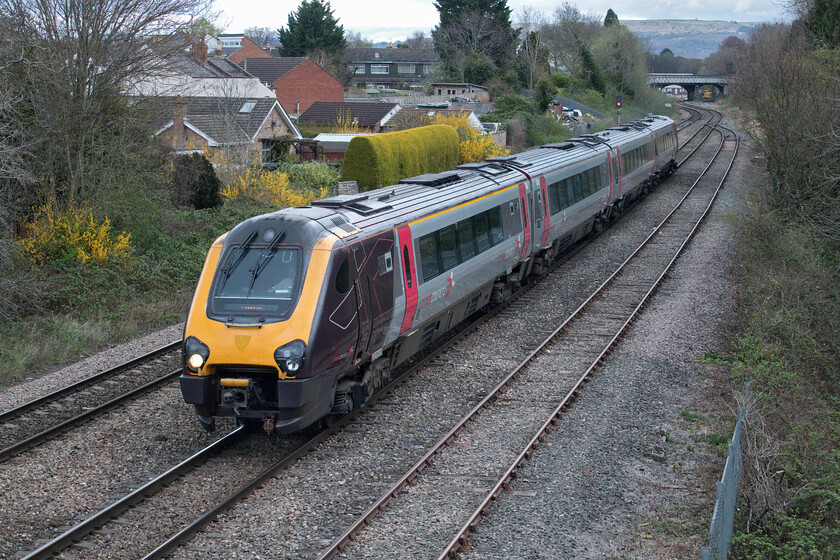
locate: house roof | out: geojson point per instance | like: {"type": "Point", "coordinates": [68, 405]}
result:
{"type": "Point", "coordinates": [369, 114]}
{"type": "Point", "coordinates": [220, 120]}
{"type": "Point", "coordinates": [269, 70]}
{"type": "Point", "coordinates": [336, 143]}
{"type": "Point", "coordinates": [467, 84]}
{"type": "Point", "coordinates": [367, 54]}
{"type": "Point", "coordinates": [477, 108]}
{"type": "Point", "coordinates": [216, 67]}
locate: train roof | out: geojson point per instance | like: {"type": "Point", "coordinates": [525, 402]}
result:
{"type": "Point", "coordinates": [418, 197]}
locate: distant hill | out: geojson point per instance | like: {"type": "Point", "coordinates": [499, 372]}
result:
{"type": "Point", "coordinates": [688, 37]}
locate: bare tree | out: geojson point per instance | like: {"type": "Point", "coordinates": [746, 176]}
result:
{"type": "Point", "coordinates": [355, 39]}
{"type": "Point", "coordinates": [562, 37]}
{"type": "Point", "coordinates": [262, 36]}
{"type": "Point", "coordinates": [795, 95]}
{"type": "Point", "coordinates": [419, 40]}
{"type": "Point", "coordinates": [532, 51]}
{"type": "Point", "coordinates": [78, 56]}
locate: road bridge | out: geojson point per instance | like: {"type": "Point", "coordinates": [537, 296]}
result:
{"type": "Point", "coordinates": [689, 81]}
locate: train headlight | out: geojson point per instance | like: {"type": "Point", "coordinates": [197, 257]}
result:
{"type": "Point", "coordinates": [195, 354]}
{"type": "Point", "coordinates": [289, 357]}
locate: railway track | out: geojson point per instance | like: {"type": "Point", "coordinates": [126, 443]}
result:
{"type": "Point", "coordinates": [39, 420]}
{"type": "Point", "coordinates": [231, 445]}
{"type": "Point", "coordinates": [495, 426]}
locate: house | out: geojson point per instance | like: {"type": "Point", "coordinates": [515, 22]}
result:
{"type": "Point", "coordinates": [465, 90]}
{"type": "Point", "coordinates": [298, 82]}
{"type": "Point", "coordinates": [388, 67]}
{"type": "Point", "coordinates": [249, 49]}
{"type": "Point", "coordinates": [229, 43]}
{"type": "Point", "coordinates": [247, 125]}
{"type": "Point", "coordinates": [367, 116]}
{"type": "Point", "coordinates": [200, 75]}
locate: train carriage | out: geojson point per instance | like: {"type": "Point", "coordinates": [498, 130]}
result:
{"type": "Point", "coordinates": [301, 314]}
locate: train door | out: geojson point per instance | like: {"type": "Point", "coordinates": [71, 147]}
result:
{"type": "Point", "coordinates": [357, 252]}
{"type": "Point", "coordinates": [375, 287]}
{"type": "Point", "coordinates": [539, 202]}
{"type": "Point", "coordinates": [526, 224]}
{"type": "Point", "coordinates": [616, 173]}
{"type": "Point", "coordinates": [546, 212]}
{"type": "Point", "coordinates": [409, 274]}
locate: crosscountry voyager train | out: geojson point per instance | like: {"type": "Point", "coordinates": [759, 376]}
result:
{"type": "Point", "coordinates": [301, 314]}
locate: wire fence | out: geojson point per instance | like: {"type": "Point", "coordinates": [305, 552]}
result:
{"type": "Point", "coordinates": [723, 518]}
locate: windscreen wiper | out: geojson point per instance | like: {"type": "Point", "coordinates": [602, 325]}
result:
{"type": "Point", "coordinates": [265, 256]}
{"type": "Point", "coordinates": [234, 262]}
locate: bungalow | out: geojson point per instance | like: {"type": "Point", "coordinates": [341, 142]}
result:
{"type": "Point", "coordinates": [245, 124]}
{"type": "Point", "coordinates": [367, 116]}
{"type": "Point", "coordinates": [298, 82]}
{"type": "Point", "coordinates": [464, 90]}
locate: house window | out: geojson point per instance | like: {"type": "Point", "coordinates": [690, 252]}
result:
{"type": "Point", "coordinates": [378, 68]}
{"type": "Point", "coordinates": [248, 106]}
{"type": "Point", "coordinates": [359, 69]}
{"type": "Point", "coordinates": [405, 69]}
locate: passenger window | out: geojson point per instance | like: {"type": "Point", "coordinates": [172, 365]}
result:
{"type": "Point", "coordinates": [585, 188]}
{"type": "Point", "coordinates": [406, 266]}
{"type": "Point", "coordinates": [554, 202]}
{"type": "Point", "coordinates": [578, 188]}
{"type": "Point", "coordinates": [496, 232]}
{"type": "Point", "coordinates": [448, 254]}
{"type": "Point", "coordinates": [466, 241]}
{"type": "Point", "coordinates": [481, 236]}
{"type": "Point", "coordinates": [342, 277]}
{"type": "Point", "coordinates": [429, 256]}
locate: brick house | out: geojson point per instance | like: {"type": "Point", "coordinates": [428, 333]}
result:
{"type": "Point", "coordinates": [298, 82]}
{"type": "Point", "coordinates": [247, 125]}
{"type": "Point", "coordinates": [249, 49]}
{"type": "Point", "coordinates": [368, 116]}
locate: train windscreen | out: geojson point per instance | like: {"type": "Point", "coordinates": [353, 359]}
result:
{"type": "Point", "coordinates": [256, 282]}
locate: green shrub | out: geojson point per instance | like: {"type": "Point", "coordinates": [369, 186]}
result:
{"type": "Point", "coordinates": [194, 182]}
{"type": "Point", "coordinates": [314, 176]}
{"type": "Point", "coordinates": [384, 159]}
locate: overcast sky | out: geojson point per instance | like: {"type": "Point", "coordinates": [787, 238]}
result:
{"type": "Point", "coordinates": [386, 20]}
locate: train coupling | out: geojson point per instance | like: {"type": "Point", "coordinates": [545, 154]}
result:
{"type": "Point", "coordinates": [268, 425]}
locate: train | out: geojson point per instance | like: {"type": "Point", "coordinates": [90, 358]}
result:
{"type": "Point", "coordinates": [301, 314]}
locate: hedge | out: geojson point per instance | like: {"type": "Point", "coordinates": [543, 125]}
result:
{"type": "Point", "coordinates": [383, 159]}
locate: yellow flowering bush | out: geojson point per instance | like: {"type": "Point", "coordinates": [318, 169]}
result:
{"type": "Point", "coordinates": [473, 145]}
{"type": "Point", "coordinates": [70, 234]}
{"type": "Point", "coordinates": [272, 187]}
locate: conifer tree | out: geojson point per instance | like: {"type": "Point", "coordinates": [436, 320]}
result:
{"type": "Point", "coordinates": [312, 27]}
{"type": "Point", "coordinates": [611, 19]}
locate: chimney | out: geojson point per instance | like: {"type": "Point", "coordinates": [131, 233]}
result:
{"type": "Point", "coordinates": [200, 51]}
{"type": "Point", "coordinates": [179, 131]}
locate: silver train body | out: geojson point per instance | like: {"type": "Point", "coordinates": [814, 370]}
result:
{"type": "Point", "coordinates": [423, 255]}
